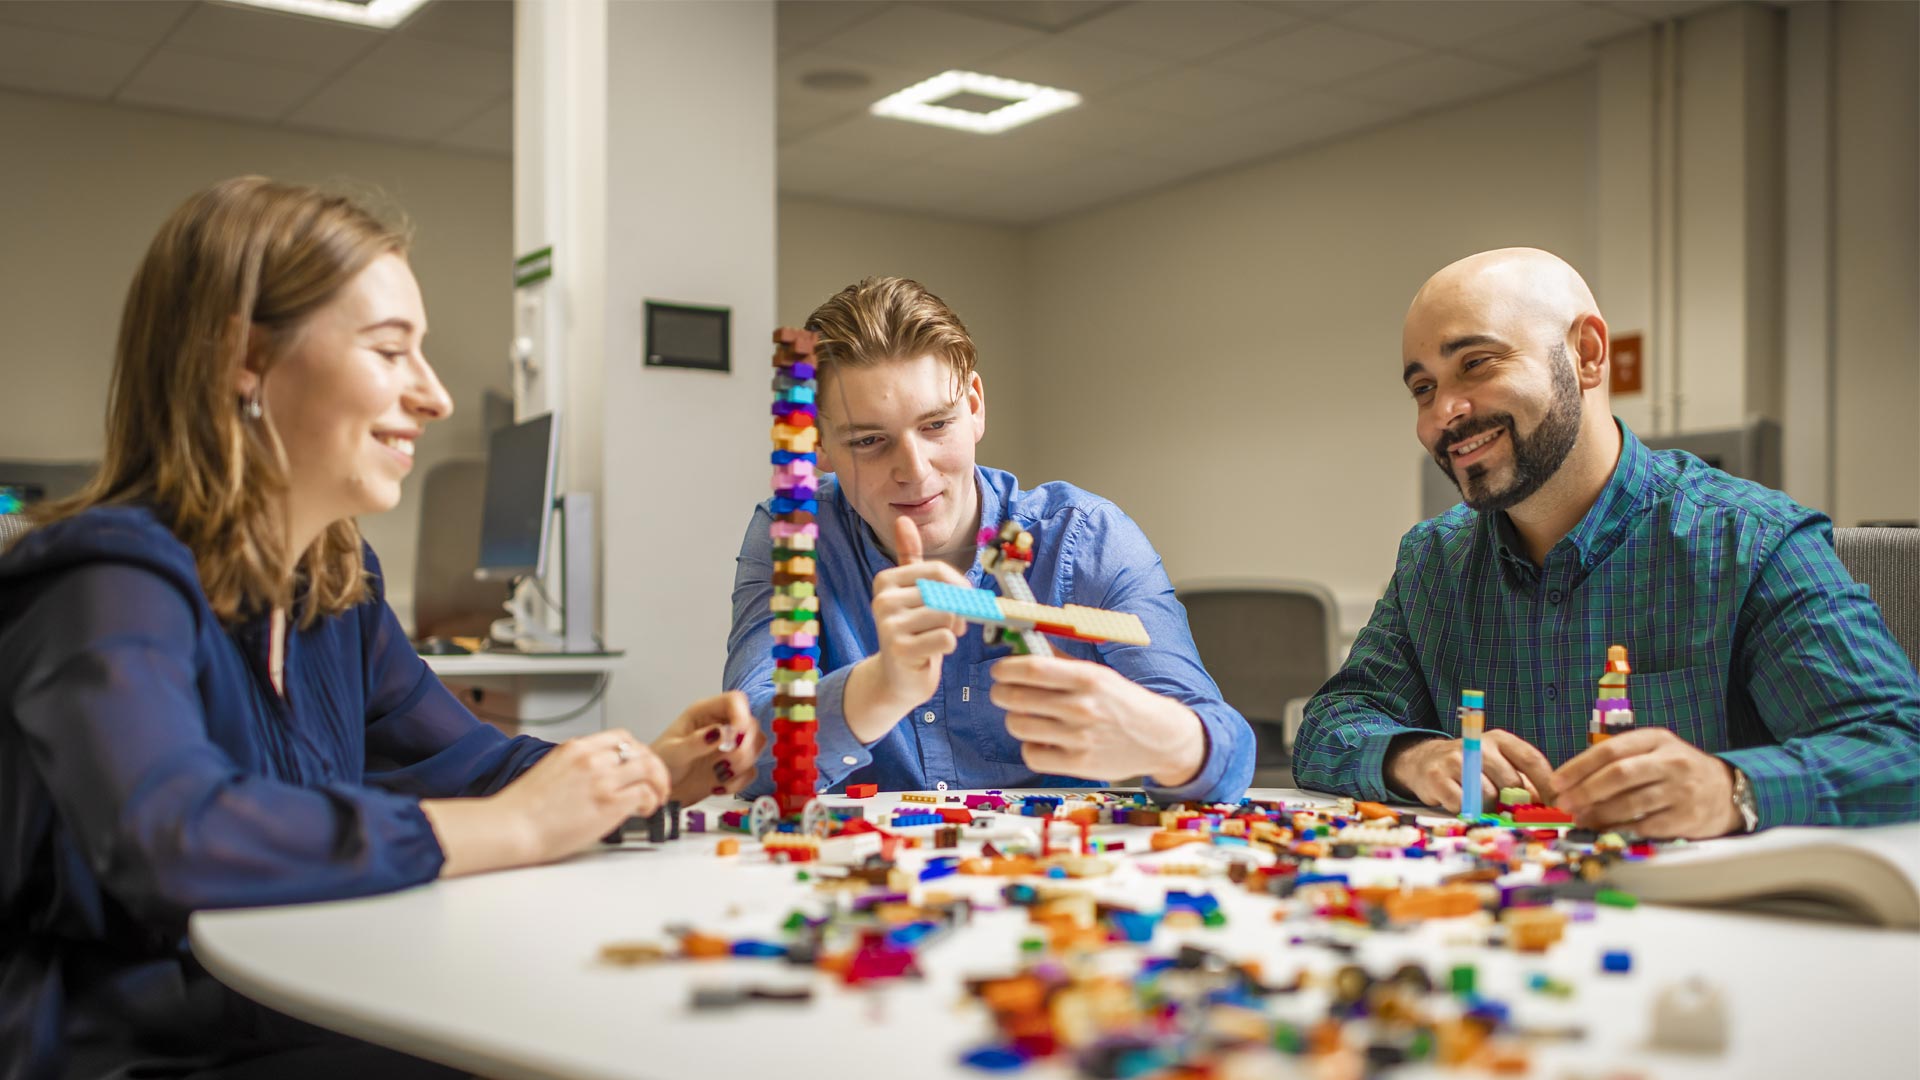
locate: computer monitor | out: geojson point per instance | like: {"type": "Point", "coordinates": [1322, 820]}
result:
{"type": "Point", "coordinates": [517, 512]}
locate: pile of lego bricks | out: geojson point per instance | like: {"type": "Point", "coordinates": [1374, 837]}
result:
{"type": "Point", "coordinates": [796, 603]}
{"type": "Point", "coordinates": [1329, 877]}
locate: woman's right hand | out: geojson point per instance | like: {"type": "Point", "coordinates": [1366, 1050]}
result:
{"type": "Point", "coordinates": [583, 789]}
{"type": "Point", "coordinates": [579, 792]}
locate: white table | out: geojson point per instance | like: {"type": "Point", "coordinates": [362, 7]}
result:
{"type": "Point", "coordinates": [499, 974]}
{"type": "Point", "coordinates": [535, 686]}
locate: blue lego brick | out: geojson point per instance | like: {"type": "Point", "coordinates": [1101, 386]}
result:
{"type": "Point", "coordinates": [1617, 961]}
{"type": "Point", "coordinates": [783, 407]}
{"type": "Point", "coordinates": [788, 506]}
{"type": "Point", "coordinates": [788, 652]}
{"type": "Point", "coordinates": [966, 603]}
{"type": "Point", "coordinates": [788, 457]}
{"type": "Point", "coordinates": [904, 820]}
{"type": "Point", "coordinates": [758, 948]}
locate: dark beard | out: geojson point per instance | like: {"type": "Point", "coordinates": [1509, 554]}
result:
{"type": "Point", "coordinates": [1535, 458]}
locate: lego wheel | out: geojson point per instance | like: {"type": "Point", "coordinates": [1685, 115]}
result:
{"type": "Point", "coordinates": [764, 816]}
{"type": "Point", "coordinates": [815, 820]}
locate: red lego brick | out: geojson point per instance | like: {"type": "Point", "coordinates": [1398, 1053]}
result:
{"type": "Point", "coordinates": [1535, 813]}
{"type": "Point", "coordinates": [862, 791]}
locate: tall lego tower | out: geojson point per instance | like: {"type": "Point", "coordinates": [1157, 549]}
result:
{"type": "Point", "coordinates": [796, 603]}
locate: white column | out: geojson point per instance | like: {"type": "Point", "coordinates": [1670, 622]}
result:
{"type": "Point", "coordinates": [644, 153]}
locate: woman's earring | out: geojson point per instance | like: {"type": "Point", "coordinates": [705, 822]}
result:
{"type": "Point", "coordinates": [251, 409]}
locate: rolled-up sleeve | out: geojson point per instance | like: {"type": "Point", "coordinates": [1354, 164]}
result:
{"type": "Point", "coordinates": [1831, 684]}
{"type": "Point", "coordinates": [1377, 695]}
{"type": "Point", "coordinates": [108, 708]}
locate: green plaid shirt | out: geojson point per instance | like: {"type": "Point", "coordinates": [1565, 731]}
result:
{"type": "Point", "coordinates": [1746, 635]}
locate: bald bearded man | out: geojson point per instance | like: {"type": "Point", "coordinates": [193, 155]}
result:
{"type": "Point", "coordinates": [1766, 688]}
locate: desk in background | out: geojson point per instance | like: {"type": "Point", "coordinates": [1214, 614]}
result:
{"type": "Point", "coordinates": [534, 687]}
{"type": "Point", "coordinates": [499, 974]}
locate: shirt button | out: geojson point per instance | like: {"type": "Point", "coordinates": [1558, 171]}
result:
{"type": "Point", "coordinates": [927, 716]}
{"type": "Point", "coordinates": [849, 760]}
{"type": "Point", "coordinates": [1553, 597]}
{"type": "Point", "coordinates": [1553, 692]}
{"type": "Point", "coordinates": [941, 786]}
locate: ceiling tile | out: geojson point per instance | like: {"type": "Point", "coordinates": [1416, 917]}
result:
{"type": "Point", "coordinates": [358, 107]}
{"type": "Point", "coordinates": [1435, 25]}
{"type": "Point", "coordinates": [799, 24]}
{"type": "Point", "coordinates": [1562, 43]}
{"type": "Point", "coordinates": [219, 85]}
{"type": "Point", "coordinates": [1659, 10]}
{"type": "Point", "coordinates": [144, 21]}
{"type": "Point", "coordinates": [885, 137]}
{"type": "Point", "coordinates": [1099, 124]}
{"type": "Point", "coordinates": [477, 24]}
{"type": "Point", "coordinates": [796, 117]}
{"type": "Point", "coordinates": [804, 108]}
{"type": "Point", "coordinates": [1196, 92]}
{"type": "Point", "coordinates": [1034, 148]}
{"type": "Point", "coordinates": [431, 65]}
{"type": "Point", "coordinates": [57, 62]}
{"type": "Point", "coordinates": [1316, 55]}
{"type": "Point", "coordinates": [806, 168]}
{"type": "Point", "coordinates": [1433, 81]}
{"type": "Point", "coordinates": [490, 132]}
{"type": "Point", "coordinates": [928, 39]}
{"type": "Point", "coordinates": [273, 38]}
{"type": "Point", "coordinates": [1049, 15]}
{"type": "Point", "coordinates": [1068, 63]}
{"type": "Point", "coordinates": [1181, 31]}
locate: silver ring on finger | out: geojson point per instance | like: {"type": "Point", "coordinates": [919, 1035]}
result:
{"type": "Point", "coordinates": [623, 751]}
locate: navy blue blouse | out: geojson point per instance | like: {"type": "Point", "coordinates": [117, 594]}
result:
{"type": "Point", "coordinates": [148, 769]}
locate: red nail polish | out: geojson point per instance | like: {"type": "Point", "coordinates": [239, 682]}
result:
{"type": "Point", "coordinates": [719, 791]}
{"type": "Point", "coordinates": [713, 734]}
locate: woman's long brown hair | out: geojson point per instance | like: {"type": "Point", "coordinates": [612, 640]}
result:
{"type": "Point", "coordinates": [229, 281]}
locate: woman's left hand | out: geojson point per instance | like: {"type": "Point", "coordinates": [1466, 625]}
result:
{"type": "Point", "coordinates": [711, 748]}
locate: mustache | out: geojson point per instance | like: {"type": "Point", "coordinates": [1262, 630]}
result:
{"type": "Point", "coordinates": [1472, 429]}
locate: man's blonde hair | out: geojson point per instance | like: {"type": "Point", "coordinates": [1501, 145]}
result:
{"type": "Point", "coordinates": [883, 319]}
{"type": "Point", "coordinates": [245, 258]}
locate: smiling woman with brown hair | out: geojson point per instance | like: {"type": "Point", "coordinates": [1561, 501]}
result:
{"type": "Point", "coordinates": [205, 700]}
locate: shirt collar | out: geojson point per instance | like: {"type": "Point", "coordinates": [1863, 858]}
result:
{"type": "Point", "coordinates": [1611, 513]}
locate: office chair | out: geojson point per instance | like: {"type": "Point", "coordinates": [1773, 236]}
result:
{"type": "Point", "coordinates": [1887, 562]}
{"type": "Point", "coordinates": [1270, 645]}
{"type": "Point", "coordinates": [447, 601]}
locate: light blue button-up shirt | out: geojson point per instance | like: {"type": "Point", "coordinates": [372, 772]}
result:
{"type": "Point", "coordinates": [1086, 551]}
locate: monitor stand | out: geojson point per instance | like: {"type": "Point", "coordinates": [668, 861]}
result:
{"type": "Point", "coordinates": [529, 627]}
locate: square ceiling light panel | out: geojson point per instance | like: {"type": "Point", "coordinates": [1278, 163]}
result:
{"type": "Point", "coordinates": [970, 101]}
{"type": "Point", "coordinates": [378, 14]}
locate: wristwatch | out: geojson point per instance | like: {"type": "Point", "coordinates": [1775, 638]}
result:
{"type": "Point", "coordinates": [1743, 801]}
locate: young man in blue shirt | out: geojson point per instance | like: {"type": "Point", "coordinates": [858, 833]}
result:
{"type": "Point", "coordinates": [1766, 688]}
{"type": "Point", "coordinates": [909, 699]}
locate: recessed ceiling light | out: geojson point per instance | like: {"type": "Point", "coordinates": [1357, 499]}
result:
{"type": "Point", "coordinates": [379, 14]}
{"type": "Point", "coordinates": [965, 101]}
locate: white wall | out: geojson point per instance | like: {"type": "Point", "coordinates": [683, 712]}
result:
{"type": "Point", "coordinates": [87, 185]}
{"type": "Point", "coordinates": [1876, 235]}
{"type": "Point", "coordinates": [1223, 359]}
{"type": "Point", "coordinates": [979, 270]}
